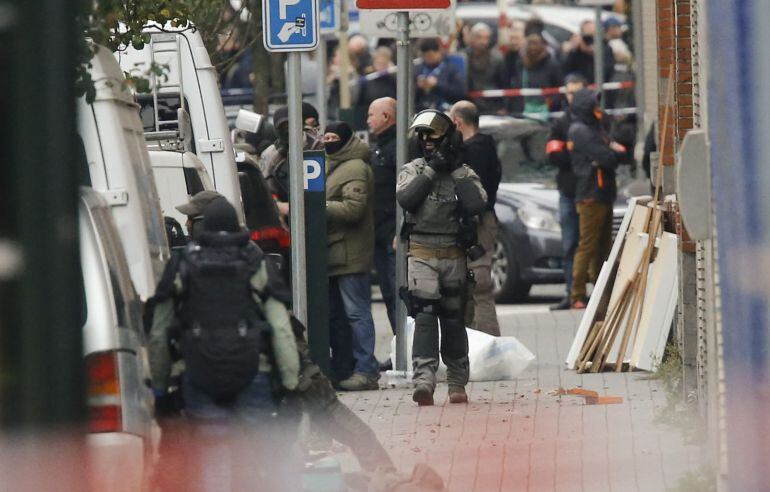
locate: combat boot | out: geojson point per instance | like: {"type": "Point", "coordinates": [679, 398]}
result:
{"type": "Point", "coordinates": [457, 394]}
{"type": "Point", "coordinates": [423, 395]}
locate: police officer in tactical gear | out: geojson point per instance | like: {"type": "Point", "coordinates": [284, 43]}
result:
{"type": "Point", "coordinates": [221, 306]}
{"type": "Point", "coordinates": [437, 192]}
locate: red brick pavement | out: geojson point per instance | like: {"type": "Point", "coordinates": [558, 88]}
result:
{"type": "Point", "coordinates": [520, 435]}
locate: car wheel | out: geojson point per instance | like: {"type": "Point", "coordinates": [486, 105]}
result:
{"type": "Point", "coordinates": [506, 277]}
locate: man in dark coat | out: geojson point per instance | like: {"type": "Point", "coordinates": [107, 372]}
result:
{"type": "Point", "coordinates": [486, 68]}
{"type": "Point", "coordinates": [580, 59]}
{"type": "Point", "coordinates": [594, 160]}
{"type": "Point", "coordinates": [381, 120]}
{"type": "Point", "coordinates": [559, 157]}
{"type": "Point", "coordinates": [381, 83]}
{"type": "Point", "coordinates": [537, 69]}
{"type": "Point", "coordinates": [480, 153]}
{"type": "Point", "coordinates": [439, 83]}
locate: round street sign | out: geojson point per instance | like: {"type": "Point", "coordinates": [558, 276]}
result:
{"type": "Point", "coordinates": [403, 5]}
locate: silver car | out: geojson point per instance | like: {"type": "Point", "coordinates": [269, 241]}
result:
{"type": "Point", "coordinates": [120, 399]}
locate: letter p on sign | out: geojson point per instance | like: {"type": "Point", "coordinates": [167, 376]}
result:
{"type": "Point", "coordinates": [282, 5]}
{"type": "Point", "coordinates": [313, 171]}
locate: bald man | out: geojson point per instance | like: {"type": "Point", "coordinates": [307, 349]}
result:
{"type": "Point", "coordinates": [381, 120]}
{"type": "Point", "coordinates": [481, 155]}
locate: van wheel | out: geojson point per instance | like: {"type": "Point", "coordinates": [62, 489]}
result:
{"type": "Point", "coordinates": [506, 276]}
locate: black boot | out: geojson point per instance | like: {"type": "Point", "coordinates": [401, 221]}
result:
{"type": "Point", "coordinates": [563, 304]}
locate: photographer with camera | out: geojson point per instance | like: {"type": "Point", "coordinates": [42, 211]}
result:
{"type": "Point", "coordinates": [480, 154]}
{"type": "Point", "coordinates": [580, 57]}
{"type": "Point", "coordinates": [438, 192]}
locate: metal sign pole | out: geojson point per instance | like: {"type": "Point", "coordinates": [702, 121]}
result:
{"type": "Point", "coordinates": [321, 82]}
{"type": "Point", "coordinates": [296, 189]}
{"type": "Point", "coordinates": [402, 128]}
{"type": "Point", "coordinates": [599, 55]}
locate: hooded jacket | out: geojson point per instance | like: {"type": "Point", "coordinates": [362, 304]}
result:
{"type": "Point", "coordinates": [350, 209]}
{"type": "Point", "coordinates": [593, 161]}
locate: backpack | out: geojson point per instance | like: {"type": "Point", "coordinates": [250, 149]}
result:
{"type": "Point", "coordinates": [221, 329]}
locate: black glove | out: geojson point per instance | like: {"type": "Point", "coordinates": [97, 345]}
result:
{"type": "Point", "coordinates": [456, 162]}
{"type": "Point", "coordinates": [439, 162]}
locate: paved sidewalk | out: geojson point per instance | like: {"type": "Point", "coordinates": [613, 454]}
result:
{"type": "Point", "coordinates": [520, 435]}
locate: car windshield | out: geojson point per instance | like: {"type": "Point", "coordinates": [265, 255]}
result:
{"type": "Point", "coordinates": [521, 149]}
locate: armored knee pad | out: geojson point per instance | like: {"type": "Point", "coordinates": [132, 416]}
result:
{"type": "Point", "coordinates": [452, 304]}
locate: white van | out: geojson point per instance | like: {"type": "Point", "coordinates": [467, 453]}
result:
{"type": "Point", "coordinates": [178, 176]}
{"type": "Point", "coordinates": [120, 400]}
{"type": "Point", "coordinates": [119, 168]}
{"type": "Point", "coordinates": [192, 86]}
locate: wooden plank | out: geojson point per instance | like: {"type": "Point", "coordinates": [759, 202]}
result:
{"type": "Point", "coordinates": [633, 254]}
{"type": "Point", "coordinates": [632, 249]}
{"type": "Point", "coordinates": [599, 340]}
{"type": "Point", "coordinates": [626, 300]}
{"type": "Point", "coordinates": [659, 308]}
{"type": "Point", "coordinates": [601, 284]}
{"type": "Point", "coordinates": [636, 311]}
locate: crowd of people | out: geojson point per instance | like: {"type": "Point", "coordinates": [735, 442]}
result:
{"type": "Point", "coordinates": [223, 308]}
{"type": "Point", "coordinates": [447, 70]}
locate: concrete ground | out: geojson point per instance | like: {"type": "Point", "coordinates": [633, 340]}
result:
{"type": "Point", "coordinates": [523, 435]}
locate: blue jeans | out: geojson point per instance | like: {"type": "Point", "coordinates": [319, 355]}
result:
{"type": "Point", "coordinates": [231, 438]}
{"type": "Point", "coordinates": [570, 236]}
{"type": "Point", "coordinates": [385, 265]}
{"type": "Point", "coordinates": [351, 326]}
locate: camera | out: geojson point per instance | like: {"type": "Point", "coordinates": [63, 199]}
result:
{"type": "Point", "coordinates": [588, 39]}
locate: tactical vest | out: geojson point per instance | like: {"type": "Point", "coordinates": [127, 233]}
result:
{"type": "Point", "coordinates": [436, 222]}
{"type": "Point", "coordinates": [223, 330]}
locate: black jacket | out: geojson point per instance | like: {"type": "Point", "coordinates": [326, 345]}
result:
{"type": "Point", "coordinates": [545, 73]}
{"type": "Point", "coordinates": [384, 166]}
{"type": "Point", "coordinates": [581, 63]}
{"type": "Point", "coordinates": [593, 161]}
{"type": "Point", "coordinates": [486, 72]}
{"type": "Point", "coordinates": [480, 153]}
{"type": "Point", "coordinates": [449, 90]}
{"type": "Point", "coordinates": [559, 156]}
{"type": "Point", "coordinates": [382, 86]}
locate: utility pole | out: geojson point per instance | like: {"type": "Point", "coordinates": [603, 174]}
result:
{"type": "Point", "coordinates": [41, 318]}
{"type": "Point", "coordinates": [403, 79]}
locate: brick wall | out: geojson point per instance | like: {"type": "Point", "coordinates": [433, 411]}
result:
{"type": "Point", "coordinates": [675, 49]}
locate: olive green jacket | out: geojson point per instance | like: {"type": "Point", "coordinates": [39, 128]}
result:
{"type": "Point", "coordinates": [283, 342]}
{"type": "Point", "coordinates": [350, 209]}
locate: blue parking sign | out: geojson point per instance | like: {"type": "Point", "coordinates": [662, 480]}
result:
{"type": "Point", "coordinates": [314, 162]}
{"type": "Point", "coordinates": [329, 16]}
{"type": "Point", "coordinates": [290, 25]}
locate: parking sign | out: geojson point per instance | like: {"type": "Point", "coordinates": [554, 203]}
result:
{"type": "Point", "coordinates": [315, 170]}
{"type": "Point", "coordinates": [329, 16]}
{"type": "Point", "coordinates": [290, 25]}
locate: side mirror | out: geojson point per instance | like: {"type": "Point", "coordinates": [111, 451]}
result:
{"type": "Point", "coordinates": [248, 121]}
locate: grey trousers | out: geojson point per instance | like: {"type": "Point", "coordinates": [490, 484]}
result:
{"type": "Point", "coordinates": [440, 282]}
{"type": "Point", "coordinates": [485, 318]}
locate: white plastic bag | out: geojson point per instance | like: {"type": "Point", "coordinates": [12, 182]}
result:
{"type": "Point", "coordinates": [491, 358]}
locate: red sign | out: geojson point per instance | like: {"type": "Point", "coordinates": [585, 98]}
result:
{"type": "Point", "coordinates": [403, 4]}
